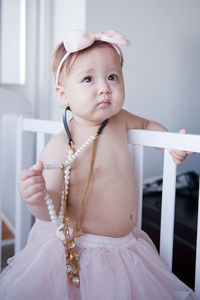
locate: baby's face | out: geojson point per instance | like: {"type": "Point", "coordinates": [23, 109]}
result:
{"type": "Point", "coordinates": [94, 88]}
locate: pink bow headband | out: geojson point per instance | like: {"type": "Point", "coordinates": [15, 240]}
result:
{"type": "Point", "coordinates": [79, 39]}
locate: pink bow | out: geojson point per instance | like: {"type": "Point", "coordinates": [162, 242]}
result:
{"type": "Point", "coordinates": [79, 39]}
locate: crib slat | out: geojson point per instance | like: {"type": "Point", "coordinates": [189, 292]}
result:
{"type": "Point", "coordinates": [40, 143]}
{"type": "Point", "coordinates": [1, 183]}
{"type": "Point", "coordinates": [45, 126]}
{"type": "Point", "coordinates": [169, 140]}
{"type": "Point", "coordinates": [197, 266]}
{"type": "Point", "coordinates": [22, 216]}
{"type": "Point", "coordinates": [18, 209]}
{"type": "Point", "coordinates": [168, 209]}
{"type": "Point", "coordinates": [137, 164]}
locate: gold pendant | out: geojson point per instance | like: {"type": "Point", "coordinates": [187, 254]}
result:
{"type": "Point", "coordinates": [72, 262]}
{"type": "Point", "coordinates": [71, 255]}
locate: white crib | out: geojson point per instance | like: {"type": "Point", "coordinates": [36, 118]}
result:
{"type": "Point", "coordinates": [14, 104]}
{"type": "Point", "coordinates": [137, 139]}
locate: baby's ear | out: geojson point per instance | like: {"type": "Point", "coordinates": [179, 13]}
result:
{"type": "Point", "coordinates": [62, 95]}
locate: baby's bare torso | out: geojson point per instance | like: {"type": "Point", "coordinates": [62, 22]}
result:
{"type": "Point", "coordinates": [110, 207]}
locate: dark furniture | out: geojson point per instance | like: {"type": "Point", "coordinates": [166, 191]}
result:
{"type": "Point", "coordinates": [185, 226]}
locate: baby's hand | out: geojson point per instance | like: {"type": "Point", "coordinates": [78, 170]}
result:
{"type": "Point", "coordinates": [32, 185]}
{"type": "Point", "coordinates": [179, 155]}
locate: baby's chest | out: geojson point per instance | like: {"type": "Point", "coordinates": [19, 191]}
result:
{"type": "Point", "coordinates": [111, 160]}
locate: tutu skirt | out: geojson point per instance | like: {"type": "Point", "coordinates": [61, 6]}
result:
{"type": "Point", "coordinates": [127, 268]}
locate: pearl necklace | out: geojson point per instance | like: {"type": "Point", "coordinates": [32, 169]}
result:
{"type": "Point", "coordinates": [68, 234]}
{"type": "Point", "coordinates": [63, 220]}
{"type": "Point", "coordinates": [67, 166]}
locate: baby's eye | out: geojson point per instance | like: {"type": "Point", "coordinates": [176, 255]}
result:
{"type": "Point", "coordinates": [112, 77]}
{"type": "Point", "coordinates": [88, 79]}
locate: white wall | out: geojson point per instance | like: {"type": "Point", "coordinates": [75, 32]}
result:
{"type": "Point", "coordinates": [162, 68]}
{"type": "Point", "coordinates": [68, 15]}
{"type": "Point", "coordinates": [10, 79]}
{"type": "Point", "coordinates": [10, 20]}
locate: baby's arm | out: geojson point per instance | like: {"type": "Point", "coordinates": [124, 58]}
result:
{"type": "Point", "coordinates": [34, 182]}
{"type": "Point", "coordinates": [135, 122]}
{"type": "Point", "coordinates": [178, 156]}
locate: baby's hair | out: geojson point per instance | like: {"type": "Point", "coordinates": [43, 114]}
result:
{"type": "Point", "coordinates": [68, 63]}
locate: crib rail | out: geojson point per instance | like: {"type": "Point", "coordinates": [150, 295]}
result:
{"type": "Point", "coordinates": [138, 139]}
{"type": "Point", "coordinates": [11, 103]}
{"type": "Point", "coordinates": [187, 142]}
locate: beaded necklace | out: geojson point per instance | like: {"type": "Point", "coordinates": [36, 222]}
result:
{"type": "Point", "coordinates": [63, 220]}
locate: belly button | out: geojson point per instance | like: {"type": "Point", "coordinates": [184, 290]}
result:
{"type": "Point", "coordinates": [131, 216]}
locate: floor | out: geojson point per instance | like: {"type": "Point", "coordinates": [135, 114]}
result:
{"type": "Point", "coordinates": [7, 244]}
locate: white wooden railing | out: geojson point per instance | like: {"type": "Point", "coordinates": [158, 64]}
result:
{"type": "Point", "coordinates": [11, 103]}
{"type": "Point", "coordinates": [138, 139]}
{"type": "Point", "coordinates": [188, 142]}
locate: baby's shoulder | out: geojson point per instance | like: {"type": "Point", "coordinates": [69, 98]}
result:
{"type": "Point", "coordinates": [130, 121]}
{"type": "Point", "coordinates": [56, 149]}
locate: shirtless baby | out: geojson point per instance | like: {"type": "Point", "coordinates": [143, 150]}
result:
{"type": "Point", "coordinates": [97, 194]}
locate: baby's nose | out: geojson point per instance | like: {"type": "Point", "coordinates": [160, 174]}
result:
{"type": "Point", "coordinates": [104, 88]}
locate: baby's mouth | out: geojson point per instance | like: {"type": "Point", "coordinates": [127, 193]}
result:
{"type": "Point", "coordinates": [104, 102]}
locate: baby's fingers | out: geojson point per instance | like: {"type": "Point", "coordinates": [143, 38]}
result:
{"type": "Point", "coordinates": [183, 131]}
{"type": "Point", "coordinates": [178, 156]}
{"type": "Point", "coordinates": [190, 153]}
{"type": "Point", "coordinates": [34, 180]}
{"type": "Point", "coordinates": [34, 171]}
{"type": "Point", "coordinates": [36, 198]}
{"type": "Point", "coordinates": [38, 166]}
{"type": "Point", "coordinates": [34, 194]}
{"type": "Point", "coordinates": [31, 183]}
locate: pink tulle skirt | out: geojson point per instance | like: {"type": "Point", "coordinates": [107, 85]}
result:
{"type": "Point", "coordinates": [126, 268]}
